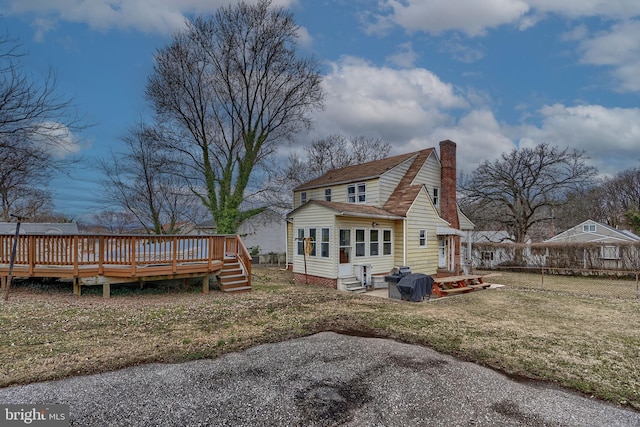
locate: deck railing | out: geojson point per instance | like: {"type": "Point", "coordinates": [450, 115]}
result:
{"type": "Point", "coordinates": [87, 255]}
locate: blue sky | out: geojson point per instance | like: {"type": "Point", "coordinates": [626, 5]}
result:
{"type": "Point", "coordinates": [490, 75]}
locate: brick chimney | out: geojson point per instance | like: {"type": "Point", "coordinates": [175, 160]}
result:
{"type": "Point", "coordinates": [448, 206]}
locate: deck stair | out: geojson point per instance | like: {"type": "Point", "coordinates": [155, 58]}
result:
{"type": "Point", "coordinates": [354, 285]}
{"type": "Point", "coordinates": [233, 278]}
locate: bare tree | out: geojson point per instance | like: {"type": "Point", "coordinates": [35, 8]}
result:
{"type": "Point", "coordinates": [116, 222]}
{"type": "Point", "coordinates": [140, 182]}
{"type": "Point", "coordinates": [232, 89]}
{"type": "Point", "coordinates": [522, 187]}
{"type": "Point", "coordinates": [34, 122]}
{"type": "Point", "coordinates": [333, 152]}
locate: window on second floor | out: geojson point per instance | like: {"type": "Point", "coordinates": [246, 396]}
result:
{"type": "Point", "coordinates": [327, 194]}
{"type": "Point", "coordinates": [589, 228]}
{"type": "Point", "coordinates": [435, 197]}
{"type": "Point", "coordinates": [303, 197]}
{"type": "Point", "coordinates": [357, 193]}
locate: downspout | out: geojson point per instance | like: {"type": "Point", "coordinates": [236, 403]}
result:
{"type": "Point", "coordinates": [404, 241]}
{"type": "Point", "coordinates": [469, 263]}
{"type": "Point", "coordinates": [286, 244]}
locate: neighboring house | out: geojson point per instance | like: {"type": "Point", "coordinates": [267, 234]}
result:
{"type": "Point", "coordinates": [39, 228]}
{"type": "Point", "coordinates": [605, 239]}
{"type": "Point", "coordinates": [488, 248]}
{"type": "Point", "coordinates": [265, 231]}
{"type": "Point", "coordinates": [366, 219]}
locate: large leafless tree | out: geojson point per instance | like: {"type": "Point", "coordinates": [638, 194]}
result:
{"type": "Point", "coordinates": [333, 152]}
{"type": "Point", "coordinates": [141, 181]}
{"type": "Point", "coordinates": [231, 88]}
{"type": "Point", "coordinates": [35, 122]}
{"type": "Point", "coordinates": [520, 189]}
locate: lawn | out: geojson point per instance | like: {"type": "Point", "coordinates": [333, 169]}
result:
{"type": "Point", "coordinates": [589, 344]}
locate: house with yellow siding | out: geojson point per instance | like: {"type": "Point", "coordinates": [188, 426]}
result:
{"type": "Point", "coordinates": [355, 224]}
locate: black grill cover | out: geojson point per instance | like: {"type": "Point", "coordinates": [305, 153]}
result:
{"type": "Point", "coordinates": [415, 287]}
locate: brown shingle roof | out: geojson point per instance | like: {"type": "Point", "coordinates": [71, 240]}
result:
{"type": "Point", "coordinates": [359, 172]}
{"type": "Point", "coordinates": [403, 196]}
{"type": "Point", "coordinates": [352, 209]}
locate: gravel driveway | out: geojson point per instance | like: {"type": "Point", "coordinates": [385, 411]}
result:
{"type": "Point", "coordinates": [322, 380]}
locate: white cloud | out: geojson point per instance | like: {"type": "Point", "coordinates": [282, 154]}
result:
{"type": "Point", "coordinates": [405, 57]}
{"type": "Point", "coordinates": [158, 16]}
{"type": "Point", "coordinates": [618, 48]}
{"type": "Point", "coordinates": [394, 105]}
{"type": "Point", "coordinates": [413, 109]}
{"type": "Point", "coordinates": [57, 139]}
{"type": "Point", "coordinates": [436, 16]}
{"type": "Point", "coordinates": [475, 17]}
{"type": "Point", "coordinates": [479, 137]}
{"type": "Point", "coordinates": [609, 135]}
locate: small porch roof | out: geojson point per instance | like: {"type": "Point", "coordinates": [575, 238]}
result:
{"type": "Point", "coordinates": [351, 209]}
{"type": "Point", "coordinates": [449, 231]}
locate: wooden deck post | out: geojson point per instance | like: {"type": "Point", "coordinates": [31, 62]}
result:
{"type": "Point", "coordinates": [77, 286]}
{"type": "Point", "coordinates": [205, 284]}
{"type": "Point", "coordinates": [106, 290]}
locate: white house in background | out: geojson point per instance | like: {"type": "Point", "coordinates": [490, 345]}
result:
{"type": "Point", "coordinates": [8, 228]}
{"type": "Point", "coordinates": [591, 231]}
{"type": "Point", "coordinates": [483, 253]}
{"type": "Point", "coordinates": [265, 231]}
{"type": "Point", "coordinates": [363, 220]}
{"type": "Point", "coordinates": [607, 238]}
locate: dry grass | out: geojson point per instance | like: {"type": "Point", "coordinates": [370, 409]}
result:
{"type": "Point", "coordinates": [589, 344]}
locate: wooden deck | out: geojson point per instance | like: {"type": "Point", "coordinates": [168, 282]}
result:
{"type": "Point", "coordinates": [108, 259]}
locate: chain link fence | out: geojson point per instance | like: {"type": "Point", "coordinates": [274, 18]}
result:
{"type": "Point", "coordinates": [584, 282]}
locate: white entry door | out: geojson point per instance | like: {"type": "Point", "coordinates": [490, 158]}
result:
{"type": "Point", "coordinates": [442, 252]}
{"type": "Point", "coordinates": [344, 251]}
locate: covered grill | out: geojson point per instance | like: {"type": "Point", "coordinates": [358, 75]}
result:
{"type": "Point", "coordinates": [415, 287]}
{"type": "Point", "coordinates": [397, 274]}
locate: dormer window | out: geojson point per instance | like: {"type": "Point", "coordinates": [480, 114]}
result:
{"type": "Point", "coordinates": [589, 228]}
{"type": "Point", "coordinates": [303, 197]}
{"type": "Point", "coordinates": [357, 193]}
{"type": "Point", "coordinates": [327, 194]}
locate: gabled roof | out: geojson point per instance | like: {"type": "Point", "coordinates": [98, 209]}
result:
{"type": "Point", "coordinates": [350, 209]}
{"type": "Point", "coordinates": [404, 195]}
{"type": "Point", "coordinates": [361, 172]}
{"type": "Point", "coordinates": [611, 235]}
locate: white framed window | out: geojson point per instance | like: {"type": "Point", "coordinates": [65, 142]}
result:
{"type": "Point", "coordinates": [312, 241]}
{"type": "Point", "coordinates": [386, 242]}
{"type": "Point", "coordinates": [357, 193]}
{"type": "Point", "coordinates": [300, 241]}
{"type": "Point", "coordinates": [327, 194]}
{"type": "Point", "coordinates": [487, 255]}
{"type": "Point", "coordinates": [324, 242]}
{"type": "Point", "coordinates": [303, 197]}
{"type": "Point", "coordinates": [374, 242]}
{"type": "Point", "coordinates": [435, 197]}
{"type": "Point", "coordinates": [362, 193]}
{"type": "Point", "coordinates": [423, 238]}
{"type": "Point", "coordinates": [589, 228]}
{"type": "Point", "coordinates": [610, 252]}
{"type": "Point", "coordinates": [360, 242]}
{"type": "Point", "coordinates": [351, 194]}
